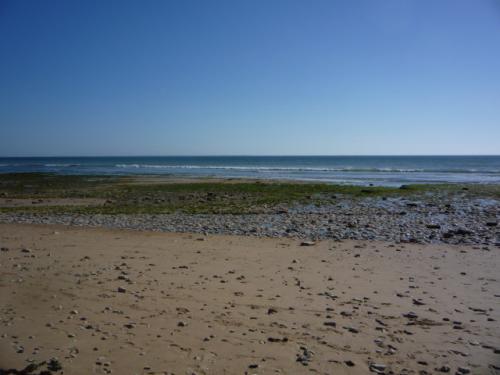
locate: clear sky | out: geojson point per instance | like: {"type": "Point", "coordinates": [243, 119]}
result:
{"type": "Point", "coordinates": [196, 77]}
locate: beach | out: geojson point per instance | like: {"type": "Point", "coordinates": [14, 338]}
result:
{"type": "Point", "coordinates": [137, 302]}
{"type": "Point", "coordinates": [162, 275]}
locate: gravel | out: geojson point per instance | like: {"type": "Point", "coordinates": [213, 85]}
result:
{"type": "Point", "coordinates": [432, 218]}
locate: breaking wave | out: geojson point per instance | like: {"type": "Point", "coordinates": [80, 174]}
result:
{"type": "Point", "coordinates": [304, 169]}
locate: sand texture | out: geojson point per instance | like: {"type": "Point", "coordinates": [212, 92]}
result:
{"type": "Point", "coordinates": [131, 302]}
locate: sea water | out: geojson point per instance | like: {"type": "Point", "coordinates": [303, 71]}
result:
{"type": "Point", "coordinates": [363, 170]}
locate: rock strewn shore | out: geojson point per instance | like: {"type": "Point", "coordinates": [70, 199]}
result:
{"type": "Point", "coordinates": [431, 219]}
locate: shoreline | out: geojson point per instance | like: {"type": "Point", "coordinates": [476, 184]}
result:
{"type": "Point", "coordinates": [455, 214]}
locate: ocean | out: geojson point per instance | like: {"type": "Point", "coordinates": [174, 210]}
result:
{"type": "Point", "coordinates": [359, 170]}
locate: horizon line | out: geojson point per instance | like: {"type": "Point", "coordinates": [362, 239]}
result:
{"type": "Point", "coordinates": [242, 155]}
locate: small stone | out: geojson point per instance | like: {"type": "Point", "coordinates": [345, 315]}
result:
{"type": "Point", "coordinates": [377, 368]}
{"type": "Point", "coordinates": [463, 232]}
{"type": "Point", "coordinates": [352, 329]}
{"type": "Point", "coordinates": [410, 315]}
{"type": "Point", "coordinates": [433, 226]}
{"type": "Point", "coordinates": [276, 339]}
{"type": "Point", "coordinates": [121, 290]}
{"type": "Point", "coordinates": [444, 369]}
{"type": "Point", "coordinates": [307, 243]}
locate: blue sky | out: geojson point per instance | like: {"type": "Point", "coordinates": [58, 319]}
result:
{"type": "Point", "coordinates": [269, 77]}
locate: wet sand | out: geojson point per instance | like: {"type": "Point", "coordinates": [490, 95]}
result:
{"type": "Point", "coordinates": [130, 302]}
{"type": "Point", "coordinates": [51, 202]}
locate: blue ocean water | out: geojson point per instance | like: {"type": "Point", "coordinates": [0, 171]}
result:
{"type": "Point", "coordinates": [377, 170]}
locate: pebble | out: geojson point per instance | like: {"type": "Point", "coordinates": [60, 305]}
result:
{"type": "Point", "coordinates": [377, 368]}
{"type": "Point", "coordinates": [461, 220]}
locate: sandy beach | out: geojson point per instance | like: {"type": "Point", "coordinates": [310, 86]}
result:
{"type": "Point", "coordinates": [136, 302]}
{"type": "Point", "coordinates": [250, 187]}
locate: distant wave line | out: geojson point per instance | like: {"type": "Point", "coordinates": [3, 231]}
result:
{"type": "Point", "coordinates": [61, 165]}
{"type": "Point", "coordinates": [256, 169]}
{"type": "Point", "coordinates": [305, 169]}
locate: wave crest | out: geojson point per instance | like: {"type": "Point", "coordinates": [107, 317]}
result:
{"type": "Point", "coordinates": [305, 169]}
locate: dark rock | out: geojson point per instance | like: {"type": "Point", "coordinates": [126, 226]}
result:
{"type": "Point", "coordinates": [377, 368]}
{"type": "Point", "coordinates": [410, 315]}
{"type": "Point", "coordinates": [307, 243]}
{"type": "Point", "coordinates": [433, 226]}
{"type": "Point", "coordinates": [418, 302]}
{"type": "Point", "coordinates": [330, 324]}
{"type": "Point", "coordinates": [54, 365]}
{"type": "Point", "coordinates": [448, 234]}
{"type": "Point", "coordinates": [305, 356]}
{"type": "Point", "coordinates": [277, 339]}
{"type": "Point", "coordinates": [444, 369]}
{"type": "Point", "coordinates": [463, 232]}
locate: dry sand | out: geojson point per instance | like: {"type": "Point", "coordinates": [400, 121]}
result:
{"type": "Point", "coordinates": [235, 305]}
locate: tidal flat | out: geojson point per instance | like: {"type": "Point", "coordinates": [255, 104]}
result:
{"type": "Point", "coordinates": [436, 213]}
